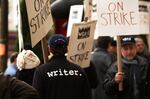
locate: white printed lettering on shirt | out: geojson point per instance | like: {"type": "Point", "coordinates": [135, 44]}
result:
{"type": "Point", "coordinates": [63, 72]}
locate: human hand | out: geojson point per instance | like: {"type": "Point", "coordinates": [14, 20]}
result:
{"type": "Point", "coordinates": [119, 77]}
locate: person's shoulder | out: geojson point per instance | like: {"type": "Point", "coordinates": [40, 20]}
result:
{"type": "Point", "coordinates": [142, 60]}
{"type": "Point", "coordinates": [76, 67]}
{"type": "Point", "coordinates": [73, 65]}
{"type": "Point", "coordinates": [4, 84]}
{"type": "Point", "coordinates": [6, 80]}
{"type": "Point", "coordinates": [21, 89]}
{"type": "Point", "coordinates": [3, 78]}
{"type": "Point", "coordinates": [44, 67]}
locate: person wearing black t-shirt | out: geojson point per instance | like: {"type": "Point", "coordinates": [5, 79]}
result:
{"type": "Point", "coordinates": [59, 78]}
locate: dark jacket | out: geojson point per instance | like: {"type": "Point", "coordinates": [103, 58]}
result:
{"type": "Point", "coordinates": [92, 75]}
{"type": "Point", "coordinates": [26, 75]}
{"type": "Point", "coordinates": [60, 79]}
{"type": "Point", "coordinates": [134, 79]}
{"type": "Point", "coordinates": [146, 55]}
{"type": "Point", "coordinates": [11, 88]}
{"type": "Point", "coordinates": [102, 61]}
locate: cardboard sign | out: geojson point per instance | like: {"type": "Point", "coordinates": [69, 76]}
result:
{"type": "Point", "coordinates": [75, 16]}
{"type": "Point", "coordinates": [117, 17]}
{"type": "Point", "coordinates": [40, 19]}
{"type": "Point", "coordinates": [81, 43]}
{"type": "Point", "coordinates": [144, 17]}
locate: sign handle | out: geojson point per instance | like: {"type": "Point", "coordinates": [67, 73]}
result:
{"type": "Point", "coordinates": [44, 49]}
{"type": "Point", "coordinates": [119, 60]}
{"type": "Point", "coordinates": [88, 10]}
{"type": "Point", "coordinates": [148, 41]}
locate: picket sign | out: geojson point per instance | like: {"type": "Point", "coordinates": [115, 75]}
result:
{"type": "Point", "coordinates": [39, 18]}
{"type": "Point", "coordinates": [40, 22]}
{"type": "Point", "coordinates": [81, 36]}
{"type": "Point", "coordinates": [81, 43]}
{"type": "Point", "coordinates": [75, 16]}
{"type": "Point", "coordinates": [116, 18]}
{"type": "Point", "coordinates": [144, 16]}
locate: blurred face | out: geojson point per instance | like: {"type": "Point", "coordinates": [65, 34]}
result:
{"type": "Point", "coordinates": [128, 51]}
{"type": "Point", "coordinates": [140, 46]}
{"type": "Point", "coordinates": [112, 49]}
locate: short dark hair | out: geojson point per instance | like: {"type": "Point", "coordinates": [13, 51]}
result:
{"type": "Point", "coordinates": [113, 42]}
{"type": "Point", "coordinates": [13, 57]}
{"type": "Point", "coordinates": [103, 42]}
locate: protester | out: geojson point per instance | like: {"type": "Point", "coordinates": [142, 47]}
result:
{"type": "Point", "coordinates": [11, 68]}
{"type": "Point", "coordinates": [112, 49]}
{"type": "Point", "coordinates": [143, 52]}
{"type": "Point", "coordinates": [27, 61]}
{"type": "Point", "coordinates": [133, 75]}
{"type": "Point", "coordinates": [59, 78]}
{"type": "Point", "coordinates": [11, 88]}
{"type": "Point", "coordinates": [101, 60]}
{"type": "Point", "coordinates": [141, 48]}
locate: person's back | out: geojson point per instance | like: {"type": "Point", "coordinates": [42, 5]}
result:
{"type": "Point", "coordinates": [11, 88]}
{"type": "Point", "coordinates": [27, 61]}
{"type": "Point", "coordinates": [59, 78]}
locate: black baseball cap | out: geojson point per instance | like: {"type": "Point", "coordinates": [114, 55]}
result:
{"type": "Point", "coordinates": [58, 41]}
{"type": "Point", "coordinates": [127, 40]}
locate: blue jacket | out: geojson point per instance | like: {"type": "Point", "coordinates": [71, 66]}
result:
{"type": "Point", "coordinates": [11, 70]}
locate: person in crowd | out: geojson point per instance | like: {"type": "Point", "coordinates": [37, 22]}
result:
{"type": "Point", "coordinates": [101, 60]}
{"type": "Point", "coordinates": [132, 76]}
{"type": "Point", "coordinates": [12, 88]}
{"type": "Point", "coordinates": [27, 61]}
{"type": "Point", "coordinates": [11, 68]}
{"type": "Point", "coordinates": [141, 48]}
{"type": "Point", "coordinates": [59, 78]}
{"type": "Point", "coordinates": [112, 49]}
{"type": "Point", "coordinates": [143, 52]}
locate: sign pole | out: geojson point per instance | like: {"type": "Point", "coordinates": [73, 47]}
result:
{"type": "Point", "coordinates": [44, 49]}
{"type": "Point", "coordinates": [119, 60]}
{"type": "Point", "coordinates": [148, 41]}
{"type": "Point", "coordinates": [20, 35]}
{"type": "Point", "coordinates": [88, 10]}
